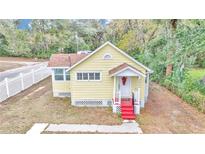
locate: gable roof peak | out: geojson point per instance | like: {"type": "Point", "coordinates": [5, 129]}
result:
{"type": "Point", "coordinates": [112, 45]}
{"type": "Point", "coordinates": [123, 67]}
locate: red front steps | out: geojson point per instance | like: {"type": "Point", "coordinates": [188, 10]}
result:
{"type": "Point", "coordinates": [127, 110]}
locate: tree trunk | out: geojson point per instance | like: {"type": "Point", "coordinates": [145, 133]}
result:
{"type": "Point", "coordinates": [169, 69]}
{"type": "Point", "coordinates": [173, 24]}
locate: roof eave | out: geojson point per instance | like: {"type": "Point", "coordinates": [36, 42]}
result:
{"type": "Point", "coordinates": [137, 72]}
{"type": "Point", "coordinates": [58, 66]}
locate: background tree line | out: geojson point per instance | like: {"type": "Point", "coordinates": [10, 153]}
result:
{"type": "Point", "coordinates": [45, 37]}
{"type": "Point", "coordinates": [136, 37]}
{"type": "Point", "coordinates": [169, 47]}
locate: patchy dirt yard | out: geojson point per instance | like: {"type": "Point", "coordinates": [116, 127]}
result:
{"type": "Point", "coordinates": [7, 66]}
{"type": "Point", "coordinates": [167, 113]}
{"type": "Point", "coordinates": [21, 59]}
{"type": "Point", "coordinates": [164, 112]}
{"type": "Point", "coordinates": [7, 63]}
{"type": "Point", "coordinates": [37, 105]}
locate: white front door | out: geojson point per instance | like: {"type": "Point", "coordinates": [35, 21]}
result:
{"type": "Point", "coordinates": [125, 87]}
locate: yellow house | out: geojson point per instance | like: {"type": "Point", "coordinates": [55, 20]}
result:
{"type": "Point", "coordinates": [105, 77]}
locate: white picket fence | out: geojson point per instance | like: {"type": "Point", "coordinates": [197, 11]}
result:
{"type": "Point", "coordinates": [13, 86]}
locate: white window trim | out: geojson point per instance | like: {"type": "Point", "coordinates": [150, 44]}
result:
{"type": "Point", "coordinates": [64, 75]}
{"type": "Point", "coordinates": [88, 76]}
{"type": "Point", "coordinates": [107, 54]}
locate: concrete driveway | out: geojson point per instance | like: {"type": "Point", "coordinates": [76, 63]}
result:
{"type": "Point", "coordinates": [15, 72]}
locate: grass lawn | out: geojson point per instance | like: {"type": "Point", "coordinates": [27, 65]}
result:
{"type": "Point", "coordinates": [37, 105]}
{"type": "Point", "coordinates": [197, 73]}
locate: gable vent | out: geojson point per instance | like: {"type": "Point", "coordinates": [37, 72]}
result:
{"type": "Point", "coordinates": [107, 56]}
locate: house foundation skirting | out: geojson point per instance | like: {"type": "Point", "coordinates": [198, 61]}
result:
{"type": "Point", "coordinates": [61, 94]}
{"type": "Point", "coordinates": [92, 102]}
{"type": "Point", "coordinates": [116, 108]}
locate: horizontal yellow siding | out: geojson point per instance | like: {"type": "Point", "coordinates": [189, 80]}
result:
{"type": "Point", "coordinates": [138, 83]}
{"type": "Point", "coordinates": [63, 86]}
{"type": "Point", "coordinates": [134, 83]}
{"type": "Point", "coordinates": [99, 89]}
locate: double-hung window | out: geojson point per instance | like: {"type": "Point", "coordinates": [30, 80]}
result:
{"type": "Point", "coordinates": [85, 76]}
{"type": "Point", "coordinates": [97, 76]}
{"type": "Point", "coordinates": [88, 76]}
{"type": "Point", "coordinates": [61, 74]}
{"type": "Point", "coordinates": [79, 76]}
{"type": "Point", "coordinates": [91, 76]}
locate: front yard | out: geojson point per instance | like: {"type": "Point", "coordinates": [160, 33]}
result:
{"type": "Point", "coordinates": [164, 112]}
{"type": "Point", "coordinates": [37, 105]}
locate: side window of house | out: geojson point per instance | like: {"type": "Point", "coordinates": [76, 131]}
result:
{"type": "Point", "coordinates": [59, 74]}
{"type": "Point", "coordinates": [88, 76]}
{"type": "Point", "coordinates": [67, 75]}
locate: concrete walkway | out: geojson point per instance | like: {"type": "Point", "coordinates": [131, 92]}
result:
{"type": "Point", "coordinates": [126, 127]}
{"type": "Point", "coordinates": [78, 128]}
{"type": "Point", "coordinates": [37, 128]}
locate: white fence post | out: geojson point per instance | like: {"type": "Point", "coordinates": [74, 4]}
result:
{"type": "Point", "coordinates": [11, 90]}
{"type": "Point", "coordinates": [32, 71]}
{"type": "Point", "coordinates": [22, 84]}
{"type": "Point", "coordinates": [7, 87]}
{"type": "Point", "coordinates": [138, 95]}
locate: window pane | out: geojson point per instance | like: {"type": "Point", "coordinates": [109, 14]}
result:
{"type": "Point", "coordinates": [58, 71]}
{"type": "Point", "coordinates": [97, 76]}
{"type": "Point", "coordinates": [91, 76]}
{"type": "Point", "coordinates": [85, 76]}
{"type": "Point", "coordinates": [59, 77]}
{"type": "Point", "coordinates": [79, 76]}
{"type": "Point", "coordinates": [67, 75]}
